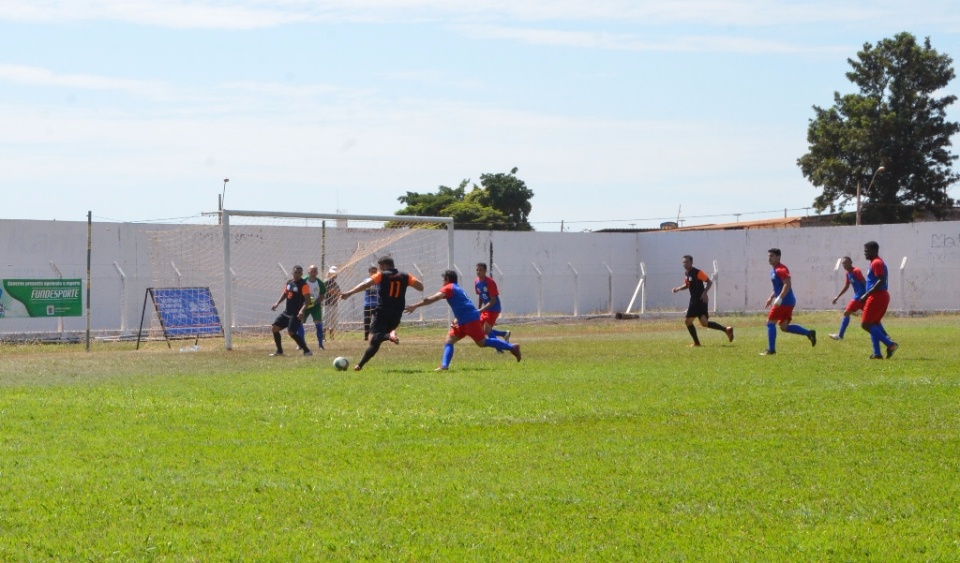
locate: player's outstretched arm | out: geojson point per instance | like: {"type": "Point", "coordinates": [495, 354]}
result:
{"type": "Point", "coordinates": [425, 301]}
{"type": "Point", "coordinates": [356, 289]}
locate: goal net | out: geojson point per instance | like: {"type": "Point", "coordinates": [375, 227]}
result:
{"type": "Point", "coordinates": [247, 259]}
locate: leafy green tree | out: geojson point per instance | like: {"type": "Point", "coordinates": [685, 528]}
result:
{"type": "Point", "coordinates": [501, 202]}
{"type": "Point", "coordinates": [507, 194]}
{"type": "Point", "coordinates": [895, 121]}
{"type": "Point", "coordinates": [432, 205]}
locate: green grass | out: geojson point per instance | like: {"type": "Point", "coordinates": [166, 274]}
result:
{"type": "Point", "coordinates": [611, 441]}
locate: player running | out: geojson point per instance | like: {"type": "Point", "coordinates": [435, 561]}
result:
{"type": "Point", "coordinates": [699, 284]}
{"type": "Point", "coordinates": [875, 300]}
{"type": "Point", "coordinates": [467, 321]}
{"type": "Point", "coordinates": [853, 278]}
{"type": "Point", "coordinates": [781, 303]}
{"type": "Point", "coordinates": [488, 302]}
{"type": "Point", "coordinates": [392, 287]}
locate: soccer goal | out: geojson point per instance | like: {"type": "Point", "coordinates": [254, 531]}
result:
{"type": "Point", "coordinates": [249, 256]}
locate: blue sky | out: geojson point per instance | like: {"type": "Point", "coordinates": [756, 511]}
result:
{"type": "Point", "coordinates": [618, 113]}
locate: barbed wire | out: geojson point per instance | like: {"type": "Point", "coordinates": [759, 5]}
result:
{"type": "Point", "coordinates": [670, 218]}
{"type": "Point", "coordinates": [841, 210]}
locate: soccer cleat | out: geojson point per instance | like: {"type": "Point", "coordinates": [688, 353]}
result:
{"type": "Point", "coordinates": [768, 353]}
{"type": "Point", "coordinates": [891, 349]}
{"type": "Point", "coordinates": [729, 332]}
{"type": "Point", "coordinates": [873, 357]}
{"type": "Point", "coordinates": [440, 368]}
{"type": "Point", "coordinates": [393, 338]}
{"type": "Point", "coordinates": [506, 337]}
{"type": "Point", "coordinates": [693, 345]}
{"type": "Point", "coordinates": [357, 368]}
{"type": "Point", "coordinates": [277, 353]}
{"type": "Point", "coordinates": [836, 337]}
{"type": "Point", "coordinates": [812, 336]}
{"type": "Point", "coordinates": [516, 351]}
{"type": "Point", "coordinates": [307, 353]}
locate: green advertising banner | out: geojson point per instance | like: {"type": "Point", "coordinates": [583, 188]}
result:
{"type": "Point", "coordinates": [41, 298]}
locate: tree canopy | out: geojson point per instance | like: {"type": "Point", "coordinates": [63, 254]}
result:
{"type": "Point", "coordinates": [896, 121]}
{"type": "Point", "coordinates": [500, 203]}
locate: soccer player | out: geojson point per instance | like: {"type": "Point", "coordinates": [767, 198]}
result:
{"type": "Point", "coordinates": [295, 293]}
{"type": "Point", "coordinates": [392, 287]}
{"type": "Point", "coordinates": [488, 302]}
{"type": "Point", "coordinates": [371, 299]}
{"type": "Point", "coordinates": [699, 284]}
{"type": "Point", "coordinates": [315, 304]}
{"type": "Point", "coordinates": [332, 300]}
{"type": "Point", "coordinates": [875, 300]}
{"type": "Point", "coordinates": [467, 322]}
{"type": "Point", "coordinates": [854, 278]}
{"type": "Point", "coordinates": [781, 303]}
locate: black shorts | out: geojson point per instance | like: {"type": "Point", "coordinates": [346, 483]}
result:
{"type": "Point", "coordinates": [289, 322]}
{"type": "Point", "coordinates": [385, 321]}
{"type": "Point", "coordinates": [697, 309]}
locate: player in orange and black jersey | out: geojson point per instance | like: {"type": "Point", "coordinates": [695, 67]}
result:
{"type": "Point", "coordinates": [298, 297]}
{"type": "Point", "coordinates": [699, 285]}
{"type": "Point", "coordinates": [392, 289]}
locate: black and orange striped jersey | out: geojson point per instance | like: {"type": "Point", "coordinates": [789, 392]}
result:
{"type": "Point", "coordinates": [392, 289]}
{"type": "Point", "coordinates": [296, 293]}
{"type": "Point", "coordinates": [695, 280]}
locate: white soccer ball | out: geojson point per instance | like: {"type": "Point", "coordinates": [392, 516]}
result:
{"type": "Point", "coordinates": [341, 364]}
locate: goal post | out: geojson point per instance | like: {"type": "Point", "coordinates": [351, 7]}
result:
{"type": "Point", "coordinates": [260, 248]}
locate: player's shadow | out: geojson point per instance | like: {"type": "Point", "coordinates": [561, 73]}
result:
{"type": "Point", "coordinates": [453, 370]}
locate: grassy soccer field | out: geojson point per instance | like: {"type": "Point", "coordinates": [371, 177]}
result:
{"type": "Point", "coordinates": [610, 441]}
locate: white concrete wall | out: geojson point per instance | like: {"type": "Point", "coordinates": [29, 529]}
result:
{"type": "Point", "coordinates": [927, 283]}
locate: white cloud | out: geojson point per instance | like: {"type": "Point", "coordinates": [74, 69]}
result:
{"type": "Point", "coordinates": [250, 14]}
{"type": "Point", "coordinates": [184, 14]}
{"type": "Point", "coordinates": [36, 76]}
{"type": "Point", "coordinates": [636, 42]}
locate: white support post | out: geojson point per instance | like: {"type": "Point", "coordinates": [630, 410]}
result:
{"type": "Point", "coordinates": [500, 277]}
{"type": "Point", "coordinates": [420, 276]}
{"type": "Point", "coordinates": [539, 289]}
{"type": "Point", "coordinates": [641, 290]}
{"type": "Point", "coordinates": [609, 287]}
{"type": "Point", "coordinates": [576, 290]}
{"type": "Point", "coordinates": [123, 298]}
{"type": "Point", "coordinates": [227, 321]}
{"type": "Point", "coordinates": [903, 301]}
{"type": "Point", "coordinates": [232, 283]}
{"type": "Point", "coordinates": [836, 268]}
{"type": "Point", "coordinates": [716, 283]}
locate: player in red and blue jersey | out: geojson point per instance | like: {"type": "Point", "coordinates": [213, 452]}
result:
{"type": "Point", "coordinates": [783, 302]}
{"type": "Point", "coordinates": [875, 300]}
{"type": "Point", "coordinates": [488, 302]}
{"type": "Point", "coordinates": [854, 278]}
{"type": "Point", "coordinates": [467, 323]}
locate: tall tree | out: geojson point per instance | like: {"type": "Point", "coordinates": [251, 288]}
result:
{"type": "Point", "coordinates": [501, 203]}
{"type": "Point", "coordinates": [895, 121]}
{"type": "Point", "coordinates": [507, 194]}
